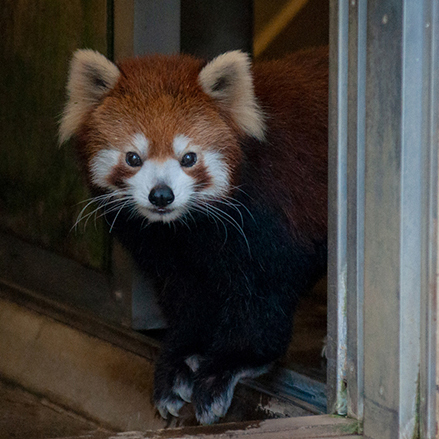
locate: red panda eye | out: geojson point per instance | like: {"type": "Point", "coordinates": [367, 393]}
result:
{"type": "Point", "coordinates": [189, 160]}
{"type": "Point", "coordinates": [133, 159]}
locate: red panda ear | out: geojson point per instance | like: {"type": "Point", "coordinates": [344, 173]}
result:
{"type": "Point", "coordinates": [91, 76]}
{"type": "Point", "coordinates": [228, 79]}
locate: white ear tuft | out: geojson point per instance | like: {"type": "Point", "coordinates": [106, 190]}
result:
{"type": "Point", "coordinates": [228, 79]}
{"type": "Point", "coordinates": [91, 76]}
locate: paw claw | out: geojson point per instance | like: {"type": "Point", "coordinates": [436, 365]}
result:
{"type": "Point", "coordinates": [186, 397]}
{"type": "Point", "coordinates": [163, 412]}
{"type": "Point", "coordinates": [173, 411]}
{"type": "Point", "coordinates": [183, 389]}
{"type": "Point", "coordinates": [169, 406]}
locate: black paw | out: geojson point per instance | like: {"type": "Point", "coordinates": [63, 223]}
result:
{"type": "Point", "coordinates": [213, 393]}
{"type": "Point", "coordinates": [172, 388]}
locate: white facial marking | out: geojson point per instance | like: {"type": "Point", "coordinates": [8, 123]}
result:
{"type": "Point", "coordinates": [218, 171]}
{"type": "Point", "coordinates": [140, 142]}
{"type": "Point", "coordinates": [153, 173]}
{"type": "Point", "coordinates": [180, 144]}
{"type": "Point", "coordinates": [213, 161]}
{"type": "Point", "coordinates": [101, 166]}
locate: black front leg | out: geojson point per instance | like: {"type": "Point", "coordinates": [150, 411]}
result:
{"type": "Point", "coordinates": [174, 375]}
{"type": "Point", "coordinates": [251, 335]}
{"type": "Point", "coordinates": [236, 310]}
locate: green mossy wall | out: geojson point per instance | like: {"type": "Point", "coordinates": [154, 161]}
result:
{"type": "Point", "coordinates": [40, 186]}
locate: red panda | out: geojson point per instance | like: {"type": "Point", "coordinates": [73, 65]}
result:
{"type": "Point", "coordinates": [214, 176]}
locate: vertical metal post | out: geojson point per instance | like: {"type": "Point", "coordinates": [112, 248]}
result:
{"type": "Point", "coordinates": [156, 27]}
{"type": "Point", "coordinates": [383, 226]}
{"type": "Point", "coordinates": [146, 26]}
{"type": "Point", "coordinates": [428, 379]}
{"type": "Point", "coordinates": [392, 221]}
{"type": "Point", "coordinates": [355, 205]}
{"type": "Point", "coordinates": [396, 214]}
{"type": "Point", "coordinates": [337, 214]}
{"type": "Point", "coordinates": [346, 207]}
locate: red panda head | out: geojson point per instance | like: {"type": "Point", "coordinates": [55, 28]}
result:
{"type": "Point", "coordinates": [161, 132]}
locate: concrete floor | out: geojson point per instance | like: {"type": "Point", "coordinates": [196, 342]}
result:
{"type": "Point", "coordinates": [26, 416]}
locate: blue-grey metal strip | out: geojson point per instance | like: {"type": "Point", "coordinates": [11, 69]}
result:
{"type": "Point", "coordinates": [355, 206]}
{"type": "Point", "coordinates": [337, 213]}
{"type": "Point", "coordinates": [428, 378]}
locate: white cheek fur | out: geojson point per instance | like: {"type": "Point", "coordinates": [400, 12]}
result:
{"type": "Point", "coordinates": [219, 172]}
{"type": "Point", "coordinates": [101, 166]}
{"type": "Point", "coordinates": [105, 160]}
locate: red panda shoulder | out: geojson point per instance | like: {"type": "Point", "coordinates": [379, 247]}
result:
{"type": "Point", "coordinates": [293, 95]}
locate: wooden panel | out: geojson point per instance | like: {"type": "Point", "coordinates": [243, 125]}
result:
{"type": "Point", "coordinates": [44, 344]}
{"type": "Point", "coordinates": [40, 187]}
{"type": "Point", "coordinates": [94, 378]}
{"type": "Point", "coordinates": [294, 428]}
{"type": "Point", "coordinates": [24, 415]}
{"type": "Point", "coordinates": [57, 277]}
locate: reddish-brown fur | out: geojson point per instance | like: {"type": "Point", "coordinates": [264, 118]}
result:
{"type": "Point", "coordinates": [146, 101]}
{"type": "Point", "coordinates": [293, 92]}
{"type": "Point", "coordinates": [161, 96]}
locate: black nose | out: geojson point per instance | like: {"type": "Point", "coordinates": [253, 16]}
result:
{"type": "Point", "coordinates": [161, 195]}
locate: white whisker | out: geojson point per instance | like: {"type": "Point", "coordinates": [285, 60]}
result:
{"type": "Point", "coordinates": [233, 222]}
{"type": "Point", "coordinates": [117, 214]}
{"type": "Point", "coordinates": [106, 202]}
